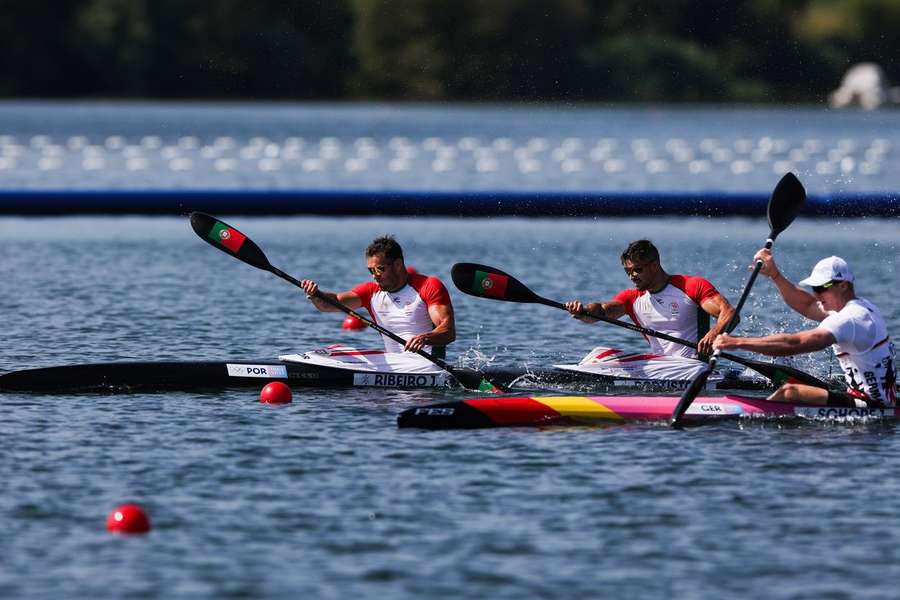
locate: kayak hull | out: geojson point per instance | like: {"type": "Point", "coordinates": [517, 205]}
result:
{"type": "Point", "coordinates": [123, 377]}
{"type": "Point", "coordinates": [480, 413]}
{"type": "Point", "coordinates": [339, 365]}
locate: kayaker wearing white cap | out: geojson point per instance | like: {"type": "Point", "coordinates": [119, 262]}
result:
{"type": "Point", "coordinates": [853, 326]}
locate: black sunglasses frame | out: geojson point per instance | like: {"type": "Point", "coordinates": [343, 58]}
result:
{"type": "Point", "coordinates": [637, 270]}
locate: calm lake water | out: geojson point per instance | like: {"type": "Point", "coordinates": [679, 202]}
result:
{"type": "Point", "coordinates": [326, 498]}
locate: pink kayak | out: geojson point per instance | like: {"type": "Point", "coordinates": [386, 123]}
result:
{"type": "Point", "coordinates": [591, 410]}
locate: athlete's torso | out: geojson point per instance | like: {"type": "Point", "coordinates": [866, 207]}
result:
{"type": "Point", "coordinates": [405, 311]}
{"type": "Point", "coordinates": [675, 310]}
{"type": "Point", "coordinates": [864, 350]}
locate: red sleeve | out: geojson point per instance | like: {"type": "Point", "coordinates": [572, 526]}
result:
{"type": "Point", "coordinates": [365, 292]}
{"type": "Point", "coordinates": [627, 298]}
{"type": "Point", "coordinates": [430, 289]}
{"type": "Point", "coordinates": [696, 288]}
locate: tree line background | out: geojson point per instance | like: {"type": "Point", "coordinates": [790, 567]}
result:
{"type": "Point", "coordinates": [464, 50]}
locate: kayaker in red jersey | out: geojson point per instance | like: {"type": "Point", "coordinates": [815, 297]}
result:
{"type": "Point", "coordinates": [414, 306]}
{"type": "Point", "coordinates": [852, 326]}
{"type": "Point", "coordinates": [678, 305]}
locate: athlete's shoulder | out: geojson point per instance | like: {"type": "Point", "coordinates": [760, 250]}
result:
{"type": "Point", "coordinates": [841, 323]}
{"type": "Point", "coordinates": [417, 280]}
{"type": "Point", "coordinates": [860, 309]}
{"type": "Point", "coordinates": [863, 305]}
{"type": "Point", "coordinates": [366, 289]}
{"type": "Point", "coordinates": [695, 287]}
{"type": "Point", "coordinates": [628, 296]}
{"type": "Point", "coordinates": [681, 280]}
{"type": "Point", "coordinates": [430, 288]}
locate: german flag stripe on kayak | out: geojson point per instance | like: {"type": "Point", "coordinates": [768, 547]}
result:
{"type": "Point", "coordinates": [507, 411]}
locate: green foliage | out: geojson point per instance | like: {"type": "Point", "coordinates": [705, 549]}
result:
{"type": "Point", "coordinates": [855, 31]}
{"type": "Point", "coordinates": [561, 50]}
{"type": "Point", "coordinates": [176, 48]}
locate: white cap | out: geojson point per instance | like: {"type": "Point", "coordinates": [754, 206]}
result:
{"type": "Point", "coordinates": [833, 268]}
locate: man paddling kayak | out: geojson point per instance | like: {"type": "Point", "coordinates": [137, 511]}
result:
{"type": "Point", "coordinates": [414, 306]}
{"type": "Point", "coordinates": [678, 305]}
{"type": "Point", "coordinates": [852, 326]}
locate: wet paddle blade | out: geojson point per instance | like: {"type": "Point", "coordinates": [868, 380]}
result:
{"type": "Point", "coordinates": [229, 240]}
{"type": "Point", "coordinates": [488, 282]}
{"type": "Point", "coordinates": [787, 199]}
{"type": "Point", "coordinates": [486, 386]}
{"type": "Point", "coordinates": [780, 374]}
{"type": "Point", "coordinates": [784, 205]}
{"type": "Point", "coordinates": [687, 397]}
{"type": "Point", "coordinates": [477, 381]}
{"type": "Point", "coordinates": [491, 388]}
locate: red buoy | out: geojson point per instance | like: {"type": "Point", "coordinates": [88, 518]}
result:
{"type": "Point", "coordinates": [353, 324]}
{"type": "Point", "coordinates": [275, 393]}
{"type": "Point", "coordinates": [128, 519]}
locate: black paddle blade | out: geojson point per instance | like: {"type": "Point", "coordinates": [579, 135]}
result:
{"type": "Point", "coordinates": [488, 282]}
{"type": "Point", "coordinates": [687, 397]}
{"type": "Point", "coordinates": [229, 240]}
{"type": "Point", "coordinates": [787, 199]}
{"type": "Point", "coordinates": [476, 381]}
{"type": "Point", "coordinates": [780, 374]}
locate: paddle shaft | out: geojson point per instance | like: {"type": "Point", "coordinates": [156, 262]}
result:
{"type": "Point", "coordinates": [343, 307]}
{"type": "Point", "coordinates": [625, 324]}
{"type": "Point", "coordinates": [664, 336]}
{"type": "Point", "coordinates": [223, 237]}
{"type": "Point", "coordinates": [732, 322]}
{"type": "Point", "coordinates": [700, 380]}
{"type": "Point", "coordinates": [468, 278]}
{"type": "Point", "coordinates": [756, 268]}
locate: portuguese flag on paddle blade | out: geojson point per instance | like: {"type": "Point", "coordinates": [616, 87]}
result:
{"type": "Point", "coordinates": [486, 386]}
{"type": "Point", "coordinates": [224, 235]}
{"type": "Point", "coordinates": [780, 378]}
{"type": "Point", "coordinates": [490, 284]}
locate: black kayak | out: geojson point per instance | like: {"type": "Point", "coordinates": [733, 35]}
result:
{"type": "Point", "coordinates": [123, 377]}
{"type": "Point", "coordinates": [188, 376]}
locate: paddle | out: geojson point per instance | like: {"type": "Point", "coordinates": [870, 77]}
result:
{"type": "Point", "coordinates": [787, 199]}
{"type": "Point", "coordinates": [489, 282]}
{"type": "Point", "coordinates": [231, 241]}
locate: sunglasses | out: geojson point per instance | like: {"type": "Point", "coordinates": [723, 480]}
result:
{"type": "Point", "coordinates": [637, 270]}
{"type": "Point", "coordinates": [818, 289]}
{"type": "Point", "coordinates": [378, 269]}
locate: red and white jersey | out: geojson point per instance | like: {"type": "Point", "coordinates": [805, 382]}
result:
{"type": "Point", "coordinates": [864, 351]}
{"type": "Point", "coordinates": [405, 311]}
{"type": "Point", "coordinates": [674, 310]}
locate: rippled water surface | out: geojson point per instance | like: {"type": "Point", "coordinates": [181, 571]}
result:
{"type": "Point", "coordinates": [326, 498]}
